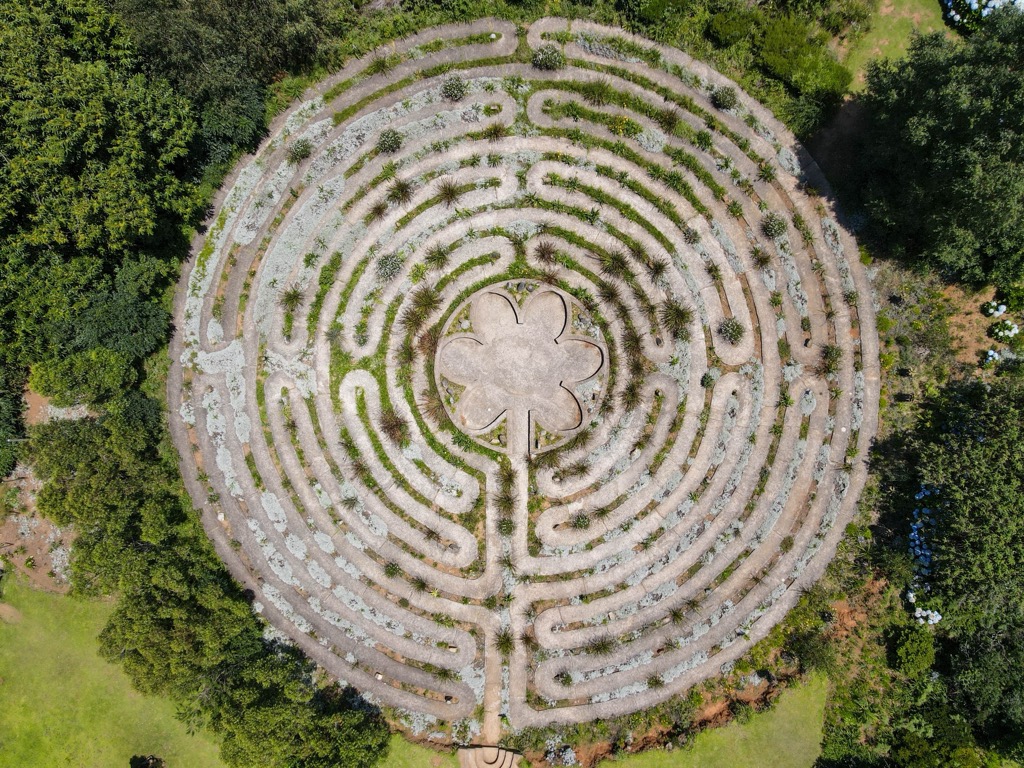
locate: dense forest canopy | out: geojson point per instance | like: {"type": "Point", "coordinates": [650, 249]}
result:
{"type": "Point", "coordinates": [943, 156]}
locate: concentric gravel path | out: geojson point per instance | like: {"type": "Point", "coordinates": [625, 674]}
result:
{"type": "Point", "coordinates": [464, 579]}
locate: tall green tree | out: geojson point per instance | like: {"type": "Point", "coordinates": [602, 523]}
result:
{"type": "Point", "coordinates": [221, 55]}
{"type": "Point", "coordinates": [944, 152]}
{"type": "Point", "coordinates": [182, 627]}
{"type": "Point", "coordinates": [969, 449]}
{"type": "Point", "coordinates": [94, 171]}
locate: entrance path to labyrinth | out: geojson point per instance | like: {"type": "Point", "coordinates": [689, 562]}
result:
{"type": "Point", "coordinates": [524, 396]}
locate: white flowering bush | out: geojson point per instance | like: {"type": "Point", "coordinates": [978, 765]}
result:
{"type": "Point", "coordinates": [1004, 330]}
{"type": "Point", "coordinates": [993, 309]}
{"type": "Point", "coordinates": [970, 14]}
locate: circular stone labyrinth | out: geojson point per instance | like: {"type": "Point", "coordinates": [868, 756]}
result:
{"type": "Point", "coordinates": [523, 397]}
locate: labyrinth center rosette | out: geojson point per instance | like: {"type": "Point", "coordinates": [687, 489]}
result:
{"type": "Point", "coordinates": [520, 392]}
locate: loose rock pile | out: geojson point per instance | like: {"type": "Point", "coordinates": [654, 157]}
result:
{"type": "Point", "coordinates": [558, 563]}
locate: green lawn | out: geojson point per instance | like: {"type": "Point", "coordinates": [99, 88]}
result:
{"type": "Point", "coordinates": [891, 28]}
{"type": "Point", "coordinates": [62, 705]}
{"type": "Point", "coordinates": [404, 754]}
{"type": "Point", "coordinates": [787, 736]}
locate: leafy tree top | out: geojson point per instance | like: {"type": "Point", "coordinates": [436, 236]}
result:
{"type": "Point", "coordinates": [944, 152]}
{"type": "Point", "coordinates": [94, 173]}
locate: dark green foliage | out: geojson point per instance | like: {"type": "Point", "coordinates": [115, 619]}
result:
{"type": "Point", "coordinates": [121, 321]}
{"type": "Point", "coordinates": [92, 183]}
{"type": "Point", "coordinates": [91, 377]}
{"type": "Point", "coordinates": [221, 55]}
{"type": "Point", "coordinates": [734, 24]}
{"type": "Point", "coordinates": [10, 423]}
{"type": "Point", "coordinates": [731, 330]}
{"type": "Point", "coordinates": [944, 152]}
{"type": "Point", "coordinates": [913, 650]}
{"type": "Point", "coordinates": [724, 97]}
{"type": "Point", "coordinates": [969, 448]}
{"type": "Point", "coordinates": [789, 52]}
{"type": "Point", "coordinates": [182, 627]}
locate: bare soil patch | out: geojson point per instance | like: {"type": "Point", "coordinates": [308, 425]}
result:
{"type": "Point", "coordinates": [37, 408]}
{"type": "Point", "coordinates": [9, 614]}
{"type": "Point", "coordinates": [35, 547]}
{"type": "Point", "coordinates": [967, 325]}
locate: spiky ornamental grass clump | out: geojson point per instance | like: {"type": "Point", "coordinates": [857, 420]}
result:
{"type": "Point", "coordinates": [676, 318]}
{"type": "Point", "coordinates": [773, 225]}
{"type": "Point", "coordinates": [400, 191]}
{"type": "Point", "coordinates": [291, 298]}
{"type": "Point", "coordinates": [389, 141]}
{"type": "Point", "coordinates": [389, 265]}
{"type": "Point", "coordinates": [724, 97]}
{"type": "Point", "coordinates": [831, 357]}
{"type": "Point", "coordinates": [393, 426]}
{"type": "Point", "coordinates": [377, 212]}
{"type": "Point", "coordinates": [731, 330]}
{"type": "Point", "coordinates": [437, 257]}
{"type": "Point", "coordinates": [545, 252]}
{"type": "Point", "coordinates": [448, 192]}
{"type": "Point", "coordinates": [453, 88]}
{"type": "Point", "coordinates": [760, 257]}
{"type": "Point", "coordinates": [548, 57]}
{"type": "Point", "coordinates": [431, 404]}
{"type": "Point", "coordinates": [495, 132]}
{"type": "Point", "coordinates": [299, 151]}
{"type": "Point", "coordinates": [505, 642]}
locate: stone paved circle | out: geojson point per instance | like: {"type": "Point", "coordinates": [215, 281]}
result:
{"type": "Point", "coordinates": [670, 460]}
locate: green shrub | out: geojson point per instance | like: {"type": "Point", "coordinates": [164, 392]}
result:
{"type": "Point", "coordinates": [731, 330]}
{"type": "Point", "coordinates": [548, 57]}
{"type": "Point", "coordinates": [913, 650]}
{"type": "Point", "coordinates": [389, 141]}
{"type": "Point", "coordinates": [773, 225]}
{"type": "Point", "coordinates": [453, 88]}
{"type": "Point", "coordinates": [724, 97]}
{"type": "Point", "coordinates": [734, 25]}
{"type": "Point", "coordinates": [299, 151]}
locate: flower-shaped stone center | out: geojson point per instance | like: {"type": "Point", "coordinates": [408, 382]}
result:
{"type": "Point", "coordinates": [516, 358]}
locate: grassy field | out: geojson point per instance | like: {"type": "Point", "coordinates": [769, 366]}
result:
{"type": "Point", "coordinates": [62, 706]}
{"type": "Point", "coordinates": [403, 754]}
{"type": "Point", "coordinates": [787, 736]}
{"type": "Point", "coordinates": [891, 29]}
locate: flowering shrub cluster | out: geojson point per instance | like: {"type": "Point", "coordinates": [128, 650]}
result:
{"type": "Point", "coordinates": [921, 552]}
{"type": "Point", "coordinates": [993, 309]}
{"type": "Point", "coordinates": [1004, 330]}
{"type": "Point", "coordinates": [919, 548]}
{"type": "Point", "coordinates": [969, 14]}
